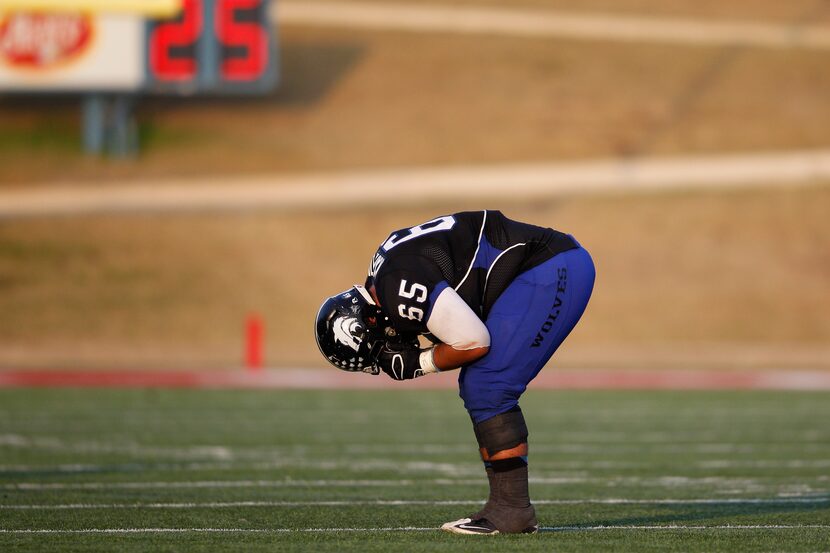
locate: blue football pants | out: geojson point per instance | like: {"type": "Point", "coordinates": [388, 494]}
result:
{"type": "Point", "coordinates": [527, 323]}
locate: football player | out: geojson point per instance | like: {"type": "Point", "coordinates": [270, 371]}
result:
{"type": "Point", "coordinates": [496, 298]}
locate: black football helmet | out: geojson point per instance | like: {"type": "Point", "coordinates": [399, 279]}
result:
{"type": "Point", "coordinates": [349, 330]}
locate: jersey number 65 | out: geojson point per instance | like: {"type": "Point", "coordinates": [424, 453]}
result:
{"type": "Point", "coordinates": [417, 292]}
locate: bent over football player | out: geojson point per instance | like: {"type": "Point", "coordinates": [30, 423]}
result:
{"type": "Point", "coordinates": [496, 298]}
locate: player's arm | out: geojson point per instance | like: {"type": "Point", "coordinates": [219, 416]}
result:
{"type": "Point", "coordinates": [464, 337]}
{"type": "Point", "coordinates": [447, 358]}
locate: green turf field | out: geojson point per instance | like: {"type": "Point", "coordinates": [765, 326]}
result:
{"type": "Point", "coordinates": [161, 470]}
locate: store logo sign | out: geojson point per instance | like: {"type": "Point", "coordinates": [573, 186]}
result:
{"type": "Point", "coordinates": [42, 41]}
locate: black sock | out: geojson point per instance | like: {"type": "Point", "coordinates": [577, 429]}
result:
{"type": "Point", "coordinates": [491, 500]}
{"type": "Point", "coordinates": [509, 508]}
{"type": "Point", "coordinates": [509, 484]}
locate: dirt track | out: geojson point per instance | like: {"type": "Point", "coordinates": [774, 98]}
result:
{"type": "Point", "coordinates": [378, 189]}
{"type": "Point", "coordinates": [524, 22]}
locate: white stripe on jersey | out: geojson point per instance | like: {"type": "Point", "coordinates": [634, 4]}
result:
{"type": "Point", "coordinates": [487, 278]}
{"type": "Point", "coordinates": [478, 245]}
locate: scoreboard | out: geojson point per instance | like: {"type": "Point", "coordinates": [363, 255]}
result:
{"type": "Point", "coordinates": [221, 46]}
{"type": "Point", "coordinates": [181, 47]}
{"type": "Point", "coordinates": [113, 51]}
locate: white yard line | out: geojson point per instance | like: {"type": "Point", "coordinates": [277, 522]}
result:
{"type": "Point", "coordinates": [400, 529]}
{"type": "Point", "coordinates": [206, 530]}
{"type": "Point", "coordinates": [685, 527]}
{"type": "Point", "coordinates": [754, 485]}
{"type": "Point", "coordinates": [56, 444]}
{"type": "Point", "coordinates": [232, 484]}
{"type": "Point", "coordinates": [526, 22]}
{"type": "Point", "coordinates": [410, 502]}
{"type": "Point", "coordinates": [216, 456]}
{"type": "Point", "coordinates": [410, 186]}
{"type": "Point", "coordinates": [569, 471]}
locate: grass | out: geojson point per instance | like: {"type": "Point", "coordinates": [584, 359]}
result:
{"type": "Point", "coordinates": [690, 464]}
{"type": "Point", "coordinates": [45, 138]}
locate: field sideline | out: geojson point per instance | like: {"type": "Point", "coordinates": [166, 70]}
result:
{"type": "Point", "coordinates": [329, 379]}
{"type": "Point", "coordinates": [377, 470]}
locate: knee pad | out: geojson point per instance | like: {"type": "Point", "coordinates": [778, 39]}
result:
{"type": "Point", "coordinates": [504, 431]}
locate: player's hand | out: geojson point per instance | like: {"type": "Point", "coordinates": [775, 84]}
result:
{"type": "Point", "coordinates": [400, 361]}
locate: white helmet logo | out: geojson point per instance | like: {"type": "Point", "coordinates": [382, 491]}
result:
{"type": "Point", "coordinates": [344, 328]}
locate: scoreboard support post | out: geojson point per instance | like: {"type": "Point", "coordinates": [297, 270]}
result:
{"type": "Point", "coordinates": [92, 123]}
{"type": "Point", "coordinates": [109, 126]}
{"type": "Point", "coordinates": [123, 140]}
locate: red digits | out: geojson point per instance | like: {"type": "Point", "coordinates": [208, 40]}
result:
{"type": "Point", "coordinates": [181, 34]}
{"type": "Point", "coordinates": [250, 36]}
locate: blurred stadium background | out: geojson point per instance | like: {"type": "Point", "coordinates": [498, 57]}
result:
{"type": "Point", "coordinates": [100, 268]}
{"type": "Point", "coordinates": [183, 181]}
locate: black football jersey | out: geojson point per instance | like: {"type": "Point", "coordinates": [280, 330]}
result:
{"type": "Point", "coordinates": [477, 253]}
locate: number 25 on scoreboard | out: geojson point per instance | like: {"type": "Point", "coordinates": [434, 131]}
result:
{"type": "Point", "coordinates": [240, 35]}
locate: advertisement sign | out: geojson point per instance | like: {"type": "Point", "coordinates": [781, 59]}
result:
{"type": "Point", "coordinates": [71, 51]}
